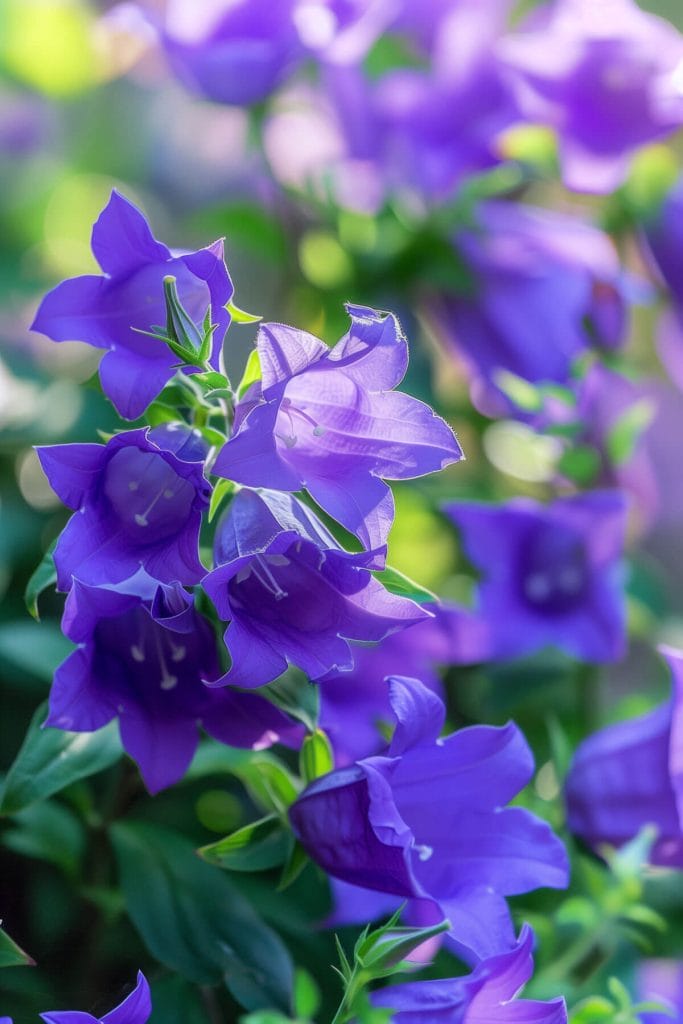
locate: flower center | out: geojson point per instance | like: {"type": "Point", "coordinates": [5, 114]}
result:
{"type": "Point", "coordinates": [150, 501]}
{"type": "Point", "coordinates": [286, 430]}
{"type": "Point", "coordinates": [554, 571]}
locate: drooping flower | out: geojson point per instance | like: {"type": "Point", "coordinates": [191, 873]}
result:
{"type": "Point", "coordinates": [551, 575]}
{"type": "Point", "coordinates": [630, 774]}
{"type": "Point", "coordinates": [486, 996]}
{"type": "Point", "coordinates": [135, 1009]}
{"type": "Point", "coordinates": [108, 311]}
{"type": "Point", "coordinates": [538, 289]}
{"type": "Point", "coordinates": [606, 76]}
{"type": "Point", "coordinates": [428, 821]}
{"type": "Point", "coordinates": [143, 653]}
{"type": "Point", "coordinates": [292, 594]}
{"type": "Point", "coordinates": [138, 502]}
{"type": "Point", "coordinates": [328, 420]}
{"type": "Point", "coordinates": [661, 981]}
{"type": "Point", "coordinates": [354, 704]}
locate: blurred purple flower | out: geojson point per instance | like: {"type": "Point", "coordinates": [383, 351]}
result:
{"type": "Point", "coordinates": [352, 704]}
{"type": "Point", "coordinates": [138, 501]}
{"type": "Point", "coordinates": [661, 981]}
{"type": "Point", "coordinates": [486, 996]}
{"type": "Point", "coordinates": [108, 311]}
{"type": "Point", "coordinates": [292, 594]}
{"type": "Point", "coordinates": [537, 289]}
{"type": "Point", "coordinates": [135, 1009]}
{"type": "Point", "coordinates": [328, 420]}
{"type": "Point", "coordinates": [428, 821]}
{"type": "Point", "coordinates": [630, 774]}
{"type": "Point", "coordinates": [607, 76]}
{"type": "Point", "coordinates": [142, 657]}
{"type": "Point", "coordinates": [551, 575]}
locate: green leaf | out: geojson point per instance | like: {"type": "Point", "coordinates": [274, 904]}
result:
{"type": "Point", "coordinates": [267, 780]}
{"type": "Point", "coordinates": [44, 576]}
{"type": "Point", "coordinates": [316, 757]}
{"type": "Point", "coordinates": [593, 1010]}
{"type": "Point", "coordinates": [194, 921]}
{"type": "Point", "coordinates": [294, 694]}
{"type": "Point", "coordinates": [252, 373]}
{"type": "Point", "coordinates": [12, 955]}
{"type": "Point", "coordinates": [50, 759]}
{"type": "Point", "coordinates": [581, 463]}
{"type": "Point", "coordinates": [239, 316]}
{"type": "Point", "coordinates": [623, 438]}
{"type": "Point", "coordinates": [258, 846]}
{"type": "Point", "coordinates": [34, 648]}
{"type": "Point", "coordinates": [306, 995]}
{"type": "Point", "coordinates": [298, 859]}
{"type": "Point", "coordinates": [223, 489]}
{"type": "Point", "coordinates": [521, 392]}
{"type": "Point", "coordinates": [176, 1001]}
{"type": "Point", "coordinates": [49, 832]}
{"type": "Point", "coordinates": [397, 583]}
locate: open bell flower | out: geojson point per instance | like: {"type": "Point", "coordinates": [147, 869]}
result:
{"type": "Point", "coordinates": [486, 996]}
{"type": "Point", "coordinates": [329, 420]}
{"type": "Point", "coordinates": [427, 821]}
{"type": "Point", "coordinates": [135, 1009]}
{"type": "Point", "coordinates": [291, 594]}
{"type": "Point", "coordinates": [138, 502]}
{"type": "Point", "coordinates": [110, 310]}
{"type": "Point", "coordinates": [142, 654]}
{"type": "Point", "coordinates": [630, 775]}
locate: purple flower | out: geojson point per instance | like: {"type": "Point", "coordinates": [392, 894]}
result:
{"type": "Point", "coordinates": [664, 244]}
{"type": "Point", "coordinates": [551, 575]}
{"type": "Point", "coordinates": [661, 981]}
{"type": "Point", "coordinates": [606, 76]}
{"type": "Point", "coordinates": [138, 502]}
{"type": "Point", "coordinates": [427, 821]}
{"type": "Point", "coordinates": [538, 288]}
{"type": "Point", "coordinates": [292, 595]}
{"type": "Point", "coordinates": [630, 775]}
{"type": "Point", "coordinates": [143, 653]}
{"type": "Point", "coordinates": [486, 996]}
{"type": "Point", "coordinates": [107, 311]}
{"type": "Point", "coordinates": [353, 704]}
{"type": "Point", "coordinates": [135, 1009]}
{"type": "Point", "coordinates": [232, 51]}
{"type": "Point", "coordinates": [328, 420]}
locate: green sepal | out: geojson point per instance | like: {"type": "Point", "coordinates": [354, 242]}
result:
{"type": "Point", "coordinates": [316, 757]}
{"type": "Point", "coordinates": [239, 316]}
{"type": "Point", "coordinates": [398, 583]}
{"type": "Point", "coordinates": [43, 576]}
{"type": "Point", "coordinates": [252, 373]}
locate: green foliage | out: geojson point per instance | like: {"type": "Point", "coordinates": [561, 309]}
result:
{"type": "Point", "coordinates": [12, 955]}
{"type": "Point", "coordinates": [316, 757]}
{"type": "Point", "coordinates": [398, 583]}
{"type": "Point", "coordinates": [257, 846]}
{"type": "Point", "coordinates": [44, 576]}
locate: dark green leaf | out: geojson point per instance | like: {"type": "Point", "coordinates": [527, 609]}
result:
{"type": "Point", "coordinates": [298, 859]}
{"type": "Point", "coordinates": [34, 648]}
{"type": "Point", "coordinates": [49, 832]}
{"type": "Point", "coordinates": [258, 846]}
{"type": "Point", "coordinates": [11, 955]}
{"type": "Point", "coordinates": [50, 759]}
{"type": "Point", "coordinates": [43, 577]}
{"type": "Point", "coordinates": [268, 781]}
{"type": "Point", "coordinates": [176, 1001]}
{"type": "Point", "coordinates": [294, 694]}
{"type": "Point", "coordinates": [195, 922]}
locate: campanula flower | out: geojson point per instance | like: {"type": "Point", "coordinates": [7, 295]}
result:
{"type": "Point", "coordinates": [428, 821]}
{"type": "Point", "coordinates": [143, 653]}
{"type": "Point", "coordinates": [486, 996]}
{"type": "Point", "coordinates": [135, 1009]}
{"type": "Point", "coordinates": [538, 287]}
{"type": "Point", "coordinates": [110, 310]}
{"type": "Point", "coordinates": [138, 501]}
{"type": "Point", "coordinates": [551, 575]}
{"type": "Point", "coordinates": [630, 774]}
{"type": "Point", "coordinates": [328, 420]}
{"type": "Point", "coordinates": [661, 981]}
{"type": "Point", "coordinates": [292, 594]}
{"type": "Point", "coordinates": [607, 76]}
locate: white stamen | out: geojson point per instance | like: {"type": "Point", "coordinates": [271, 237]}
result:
{"type": "Point", "coordinates": [137, 652]}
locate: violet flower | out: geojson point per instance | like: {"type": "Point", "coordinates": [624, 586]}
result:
{"type": "Point", "coordinates": [292, 594]}
{"type": "Point", "coordinates": [551, 575]}
{"type": "Point", "coordinates": [108, 311]}
{"type": "Point", "coordinates": [328, 420]}
{"type": "Point", "coordinates": [607, 76]}
{"type": "Point", "coordinates": [138, 501]}
{"type": "Point", "coordinates": [143, 653]}
{"type": "Point", "coordinates": [661, 981]}
{"type": "Point", "coordinates": [428, 821]}
{"type": "Point", "coordinates": [135, 1009]}
{"type": "Point", "coordinates": [630, 774]}
{"type": "Point", "coordinates": [486, 996]}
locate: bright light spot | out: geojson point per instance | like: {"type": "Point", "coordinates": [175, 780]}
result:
{"type": "Point", "coordinates": [515, 449]}
{"type": "Point", "coordinates": [323, 261]}
{"type": "Point", "coordinates": [547, 785]}
{"type": "Point", "coordinates": [48, 44]}
{"type": "Point", "coordinates": [33, 484]}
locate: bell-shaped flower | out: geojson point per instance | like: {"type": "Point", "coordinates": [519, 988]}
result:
{"type": "Point", "coordinates": [328, 420]}
{"type": "Point", "coordinates": [630, 775]}
{"type": "Point", "coordinates": [291, 594]}
{"type": "Point", "coordinates": [142, 655]}
{"type": "Point", "coordinates": [135, 1009]}
{"type": "Point", "coordinates": [428, 821]}
{"type": "Point", "coordinates": [550, 575]}
{"type": "Point", "coordinates": [486, 996]}
{"type": "Point", "coordinates": [110, 310]}
{"type": "Point", "coordinates": [138, 502]}
{"type": "Point", "coordinates": [606, 76]}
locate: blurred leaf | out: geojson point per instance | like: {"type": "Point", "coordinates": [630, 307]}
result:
{"type": "Point", "coordinates": [316, 757]}
{"type": "Point", "coordinates": [306, 994]}
{"type": "Point", "coordinates": [625, 434]}
{"type": "Point", "coordinates": [593, 1010]}
{"type": "Point", "coordinates": [397, 583]}
{"type": "Point", "coordinates": [12, 955]}
{"type": "Point", "coordinates": [521, 392]}
{"type": "Point", "coordinates": [195, 922]}
{"type": "Point", "coordinates": [294, 694]}
{"type": "Point", "coordinates": [34, 648]}
{"type": "Point", "coordinates": [268, 781]}
{"type": "Point", "coordinates": [258, 846]}
{"type": "Point", "coordinates": [298, 859]}
{"type": "Point", "coordinates": [44, 576]}
{"type": "Point", "coordinates": [50, 759]}
{"type": "Point", "coordinates": [252, 373]}
{"type": "Point", "coordinates": [48, 832]}
{"type": "Point", "coordinates": [581, 463]}
{"type": "Point", "coordinates": [176, 1001]}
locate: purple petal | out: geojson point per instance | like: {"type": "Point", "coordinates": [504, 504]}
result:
{"type": "Point", "coordinates": [121, 238]}
{"type": "Point", "coordinates": [362, 503]}
{"type": "Point", "coordinates": [374, 351]}
{"type": "Point", "coordinates": [419, 713]}
{"type": "Point", "coordinates": [247, 720]}
{"type": "Point", "coordinates": [135, 1008]}
{"type": "Point", "coordinates": [132, 380]}
{"type": "Point", "coordinates": [251, 456]}
{"type": "Point", "coordinates": [284, 352]}
{"type": "Point", "coordinates": [481, 925]}
{"type": "Point", "coordinates": [254, 662]}
{"type": "Point", "coordinates": [72, 470]}
{"type": "Point", "coordinates": [162, 748]}
{"type": "Point", "coordinates": [68, 1017]}
{"type": "Point", "coordinates": [75, 705]}
{"type": "Point", "coordinates": [71, 312]}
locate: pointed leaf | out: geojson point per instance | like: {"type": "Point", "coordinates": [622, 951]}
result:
{"type": "Point", "coordinates": [12, 955]}
{"type": "Point", "coordinates": [44, 576]}
{"type": "Point", "coordinates": [258, 846]}
{"type": "Point", "coordinates": [398, 583]}
{"type": "Point", "coordinates": [239, 316]}
{"type": "Point", "coordinates": [252, 373]}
